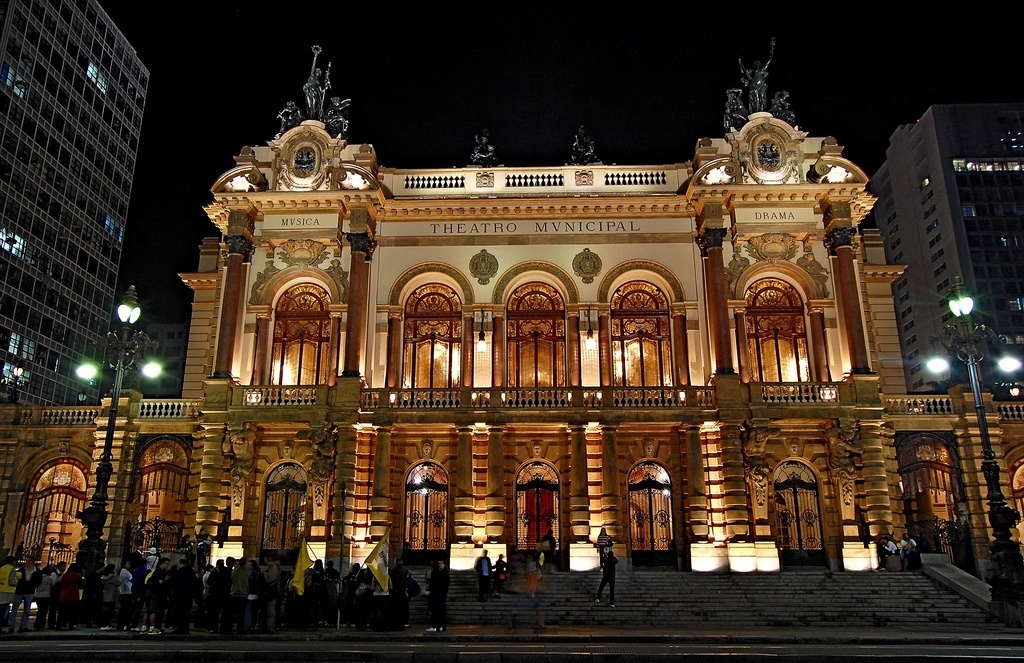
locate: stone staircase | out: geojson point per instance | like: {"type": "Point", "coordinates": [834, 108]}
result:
{"type": "Point", "coordinates": [645, 598]}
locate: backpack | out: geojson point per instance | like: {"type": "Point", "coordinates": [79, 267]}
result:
{"type": "Point", "coordinates": [412, 588]}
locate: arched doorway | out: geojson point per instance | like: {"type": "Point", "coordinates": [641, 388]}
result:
{"type": "Point", "coordinates": [798, 530]}
{"type": "Point", "coordinates": [302, 331]}
{"type": "Point", "coordinates": [536, 504]}
{"type": "Point", "coordinates": [159, 496]}
{"type": "Point", "coordinates": [284, 512]}
{"type": "Point", "coordinates": [50, 530]}
{"type": "Point", "coordinates": [426, 514]}
{"type": "Point", "coordinates": [650, 515]}
{"type": "Point", "coordinates": [933, 493]}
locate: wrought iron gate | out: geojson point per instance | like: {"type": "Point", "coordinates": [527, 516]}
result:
{"type": "Point", "coordinates": [797, 517]}
{"type": "Point", "coordinates": [284, 512]}
{"type": "Point", "coordinates": [954, 539]}
{"type": "Point", "coordinates": [650, 516]}
{"type": "Point", "coordinates": [426, 514]}
{"type": "Point", "coordinates": [164, 535]}
{"type": "Point", "coordinates": [536, 504]}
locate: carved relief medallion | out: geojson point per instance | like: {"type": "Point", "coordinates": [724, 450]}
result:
{"type": "Point", "coordinates": [483, 266]}
{"type": "Point", "coordinates": [586, 265]}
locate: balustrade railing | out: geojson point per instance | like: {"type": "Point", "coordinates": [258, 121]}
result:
{"type": "Point", "coordinates": [68, 416]}
{"type": "Point", "coordinates": [271, 396]}
{"type": "Point", "coordinates": [926, 405]}
{"type": "Point", "coordinates": [169, 409]}
{"type": "Point", "coordinates": [802, 392]}
{"type": "Point", "coordinates": [1011, 411]}
{"type": "Point", "coordinates": [554, 398]}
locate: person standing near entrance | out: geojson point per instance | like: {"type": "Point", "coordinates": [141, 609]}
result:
{"type": "Point", "coordinates": [483, 575]}
{"type": "Point", "coordinates": [437, 598]}
{"type": "Point", "coordinates": [608, 578]}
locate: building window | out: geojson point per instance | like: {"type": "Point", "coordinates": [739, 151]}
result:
{"type": "Point", "coordinates": [432, 339]}
{"type": "Point", "coordinates": [536, 337]}
{"type": "Point", "coordinates": [114, 229]}
{"type": "Point", "coordinates": [96, 77]}
{"type": "Point", "coordinates": [302, 326]}
{"type": "Point", "coordinates": [641, 344]}
{"type": "Point", "coordinates": [13, 79]}
{"type": "Point", "coordinates": [776, 334]}
{"type": "Point", "coordinates": [925, 181]}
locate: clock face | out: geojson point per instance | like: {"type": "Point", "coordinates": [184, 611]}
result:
{"type": "Point", "coordinates": [769, 156]}
{"type": "Point", "coordinates": [304, 161]}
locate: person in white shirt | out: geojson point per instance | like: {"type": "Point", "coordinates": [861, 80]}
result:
{"type": "Point", "coordinates": [124, 610]}
{"type": "Point", "coordinates": [885, 548]}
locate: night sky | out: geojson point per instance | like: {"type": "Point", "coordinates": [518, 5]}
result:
{"type": "Point", "coordinates": [646, 86]}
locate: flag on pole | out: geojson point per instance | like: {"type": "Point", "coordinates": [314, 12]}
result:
{"type": "Point", "coordinates": [377, 560]}
{"type": "Point", "coordinates": [303, 563]}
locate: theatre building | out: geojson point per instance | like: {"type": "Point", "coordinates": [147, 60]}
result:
{"type": "Point", "coordinates": [701, 357]}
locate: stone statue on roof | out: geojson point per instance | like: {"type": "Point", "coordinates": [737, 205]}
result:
{"type": "Point", "coordinates": [336, 117]}
{"type": "Point", "coordinates": [290, 116]}
{"type": "Point", "coordinates": [755, 78]}
{"type": "Point", "coordinates": [316, 89]}
{"type": "Point", "coordinates": [483, 154]}
{"type": "Point", "coordinates": [583, 149]}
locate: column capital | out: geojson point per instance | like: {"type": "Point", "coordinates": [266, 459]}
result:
{"type": "Point", "coordinates": [361, 243]}
{"type": "Point", "coordinates": [241, 244]}
{"type": "Point", "coordinates": [711, 238]}
{"type": "Point", "coordinates": [838, 237]}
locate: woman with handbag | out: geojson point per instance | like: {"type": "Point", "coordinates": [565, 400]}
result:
{"type": "Point", "coordinates": [500, 574]}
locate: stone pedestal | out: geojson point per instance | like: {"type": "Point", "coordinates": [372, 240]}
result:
{"type": "Point", "coordinates": [584, 557]}
{"type": "Point", "coordinates": [705, 557]}
{"type": "Point", "coordinates": [858, 558]}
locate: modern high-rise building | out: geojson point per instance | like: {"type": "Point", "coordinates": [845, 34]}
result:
{"type": "Point", "coordinates": [951, 203]}
{"type": "Point", "coordinates": [72, 93]}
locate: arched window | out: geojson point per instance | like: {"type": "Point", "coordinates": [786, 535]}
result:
{"type": "Point", "coordinates": [433, 338]}
{"type": "Point", "coordinates": [51, 529]}
{"type": "Point", "coordinates": [641, 341]}
{"type": "Point", "coordinates": [426, 513]}
{"type": "Point", "coordinates": [776, 333]}
{"type": "Point", "coordinates": [798, 530]}
{"type": "Point", "coordinates": [302, 330]}
{"type": "Point", "coordinates": [536, 337]}
{"type": "Point", "coordinates": [650, 514]}
{"type": "Point", "coordinates": [284, 512]}
{"type": "Point", "coordinates": [536, 503]}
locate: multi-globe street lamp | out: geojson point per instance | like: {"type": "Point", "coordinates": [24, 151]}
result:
{"type": "Point", "coordinates": [968, 340]}
{"type": "Point", "coordinates": [12, 382]}
{"type": "Point", "coordinates": [124, 347]}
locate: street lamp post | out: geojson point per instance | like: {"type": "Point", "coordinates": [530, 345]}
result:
{"type": "Point", "coordinates": [13, 381]}
{"type": "Point", "coordinates": [967, 340]}
{"type": "Point", "coordinates": [124, 346]}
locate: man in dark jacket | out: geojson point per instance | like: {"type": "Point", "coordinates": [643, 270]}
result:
{"type": "Point", "coordinates": [218, 614]}
{"type": "Point", "coordinates": [138, 612]}
{"type": "Point", "coordinates": [437, 599]}
{"type": "Point", "coordinates": [608, 578]}
{"type": "Point", "coordinates": [183, 590]}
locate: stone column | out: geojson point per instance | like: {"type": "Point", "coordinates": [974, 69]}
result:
{"type": "Point", "coordinates": [611, 498]}
{"type": "Point", "coordinates": [710, 241]}
{"type": "Point", "coordinates": [839, 240]}
{"type": "Point", "coordinates": [359, 282]}
{"type": "Point", "coordinates": [818, 352]}
{"type": "Point", "coordinates": [681, 348]}
{"type": "Point", "coordinates": [734, 484]}
{"type": "Point", "coordinates": [742, 356]}
{"type": "Point", "coordinates": [468, 349]}
{"type": "Point", "coordinates": [579, 495]}
{"type": "Point", "coordinates": [334, 349]}
{"type": "Point", "coordinates": [876, 438]}
{"type": "Point", "coordinates": [572, 342]}
{"type": "Point", "coordinates": [213, 486]}
{"type": "Point", "coordinates": [495, 486]}
{"type": "Point", "coordinates": [395, 339]}
{"type": "Point", "coordinates": [380, 500]}
{"type": "Point", "coordinates": [464, 486]}
{"type": "Point", "coordinates": [345, 493]}
{"type": "Point", "coordinates": [260, 363]}
{"type": "Point", "coordinates": [697, 494]}
{"type": "Point", "coordinates": [240, 249]}
{"type": "Point", "coordinates": [604, 345]}
{"type": "Point", "coordinates": [497, 349]}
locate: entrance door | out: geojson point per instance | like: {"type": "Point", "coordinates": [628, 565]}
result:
{"type": "Point", "coordinates": [536, 504]}
{"type": "Point", "coordinates": [650, 516]}
{"type": "Point", "coordinates": [797, 516]}
{"type": "Point", "coordinates": [426, 514]}
{"type": "Point", "coordinates": [284, 513]}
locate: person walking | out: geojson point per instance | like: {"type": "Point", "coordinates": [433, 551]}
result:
{"type": "Point", "coordinates": [500, 575]}
{"type": "Point", "coordinates": [483, 575]}
{"type": "Point", "coordinates": [608, 578]}
{"type": "Point", "coordinates": [28, 577]}
{"type": "Point", "coordinates": [549, 547]}
{"type": "Point", "coordinates": [437, 597]}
